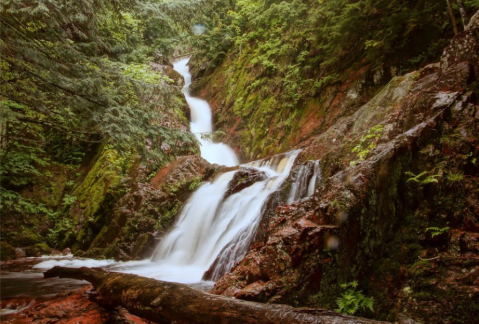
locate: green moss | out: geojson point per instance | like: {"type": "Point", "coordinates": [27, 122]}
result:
{"type": "Point", "coordinates": [38, 250]}
{"type": "Point", "coordinates": [25, 237]}
{"type": "Point", "coordinates": [95, 253]}
{"type": "Point", "coordinates": [44, 248]}
{"type": "Point", "coordinates": [103, 176]}
{"type": "Point", "coordinates": [7, 252]}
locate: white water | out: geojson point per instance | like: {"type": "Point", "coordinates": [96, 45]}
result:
{"type": "Point", "coordinates": [201, 124]}
{"type": "Point", "coordinates": [209, 227]}
{"type": "Point", "coordinates": [305, 181]}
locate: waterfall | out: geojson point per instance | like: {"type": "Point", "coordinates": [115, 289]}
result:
{"type": "Point", "coordinates": [211, 228]}
{"type": "Point", "coordinates": [201, 123]}
{"type": "Point", "coordinates": [211, 232]}
{"type": "Point", "coordinates": [305, 181]}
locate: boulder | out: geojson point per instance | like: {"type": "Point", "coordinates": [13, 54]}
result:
{"type": "Point", "coordinates": [244, 178]}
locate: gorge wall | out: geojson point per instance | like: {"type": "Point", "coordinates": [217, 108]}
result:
{"type": "Point", "coordinates": [397, 208]}
{"type": "Point", "coordinates": [280, 72]}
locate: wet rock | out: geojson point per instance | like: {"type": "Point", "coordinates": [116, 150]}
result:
{"type": "Point", "coordinates": [464, 48]}
{"type": "Point", "coordinates": [66, 251]}
{"type": "Point", "coordinates": [369, 220]}
{"type": "Point", "coordinates": [258, 290]}
{"type": "Point", "coordinates": [20, 253]}
{"type": "Point", "coordinates": [244, 178]}
{"type": "Point", "coordinates": [145, 213]}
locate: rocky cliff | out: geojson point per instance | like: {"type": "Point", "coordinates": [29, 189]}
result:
{"type": "Point", "coordinates": [397, 208]}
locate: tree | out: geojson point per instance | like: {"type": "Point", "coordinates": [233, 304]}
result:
{"type": "Point", "coordinates": [71, 76]}
{"type": "Point", "coordinates": [453, 18]}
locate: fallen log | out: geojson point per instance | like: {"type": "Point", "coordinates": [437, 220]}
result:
{"type": "Point", "coordinates": [167, 302]}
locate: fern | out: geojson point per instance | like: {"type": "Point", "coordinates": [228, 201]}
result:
{"type": "Point", "coordinates": [367, 143]}
{"type": "Point", "coordinates": [421, 179]}
{"type": "Point", "coordinates": [437, 230]}
{"type": "Point", "coordinates": [353, 301]}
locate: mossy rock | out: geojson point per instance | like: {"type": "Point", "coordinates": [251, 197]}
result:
{"type": "Point", "coordinates": [7, 252]}
{"type": "Point", "coordinates": [38, 249]}
{"type": "Point", "coordinates": [91, 193]}
{"type": "Point", "coordinates": [44, 248]}
{"type": "Point", "coordinates": [26, 238]}
{"type": "Point", "coordinates": [95, 253]}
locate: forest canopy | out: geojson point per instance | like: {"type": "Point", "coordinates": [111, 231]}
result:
{"type": "Point", "coordinates": [76, 74]}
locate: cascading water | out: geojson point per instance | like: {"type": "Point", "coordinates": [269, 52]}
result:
{"type": "Point", "coordinates": [305, 182]}
{"type": "Point", "coordinates": [210, 224]}
{"type": "Point", "coordinates": [201, 125]}
{"type": "Point", "coordinates": [211, 229]}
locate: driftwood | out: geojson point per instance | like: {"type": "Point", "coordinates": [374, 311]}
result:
{"type": "Point", "coordinates": [166, 302]}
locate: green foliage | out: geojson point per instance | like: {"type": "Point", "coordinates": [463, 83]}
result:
{"type": "Point", "coordinates": [55, 77]}
{"type": "Point", "coordinates": [422, 178]}
{"type": "Point", "coordinates": [367, 143]}
{"type": "Point", "coordinates": [14, 201]}
{"type": "Point", "coordinates": [352, 301]}
{"type": "Point", "coordinates": [195, 184]}
{"type": "Point", "coordinates": [66, 86]}
{"type": "Point", "coordinates": [455, 177]}
{"type": "Point", "coordinates": [64, 149]}
{"type": "Point", "coordinates": [282, 56]}
{"type": "Point", "coordinates": [68, 200]}
{"type": "Point", "coordinates": [7, 252]}
{"type": "Point", "coordinates": [436, 230]}
{"type": "Point", "coordinates": [62, 226]}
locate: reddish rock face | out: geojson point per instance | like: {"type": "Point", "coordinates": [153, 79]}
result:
{"type": "Point", "coordinates": [411, 242]}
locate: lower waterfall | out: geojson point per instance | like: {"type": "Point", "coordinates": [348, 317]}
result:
{"type": "Point", "coordinates": [211, 227]}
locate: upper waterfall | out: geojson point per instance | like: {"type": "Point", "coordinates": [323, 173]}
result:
{"type": "Point", "coordinates": [201, 123]}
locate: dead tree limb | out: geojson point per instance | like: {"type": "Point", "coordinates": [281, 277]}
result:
{"type": "Point", "coordinates": [167, 302]}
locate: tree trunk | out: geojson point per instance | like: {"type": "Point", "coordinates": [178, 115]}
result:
{"type": "Point", "coordinates": [167, 302]}
{"type": "Point", "coordinates": [453, 18]}
{"type": "Point", "coordinates": [462, 10]}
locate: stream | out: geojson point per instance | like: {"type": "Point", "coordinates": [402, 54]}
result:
{"type": "Point", "coordinates": [210, 230]}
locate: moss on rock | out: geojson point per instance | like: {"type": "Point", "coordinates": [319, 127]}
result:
{"type": "Point", "coordinates": [38, 249]}
{"type": "Point", "coordinates": [7, 252]}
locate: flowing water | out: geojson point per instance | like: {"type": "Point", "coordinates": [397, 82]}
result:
{"type": "Point", "coordinates": [210, 229]}
{"type": "Point", "coordinates": [210, 224]}
{"type": "Point", "coordinates": [201, 124]}
{"type": "Point", "coordinates": [305, 182]}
